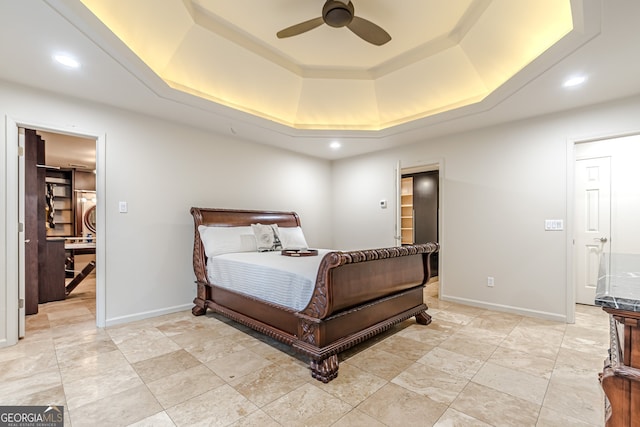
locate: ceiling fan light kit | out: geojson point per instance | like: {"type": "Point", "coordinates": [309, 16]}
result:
{"type": "Point", "coordinates": [338, 14]}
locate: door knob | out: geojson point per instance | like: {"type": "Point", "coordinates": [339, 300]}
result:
{"type": "Point", "coordinates": [601, 239]}
{"type": "Point", "coordinates": [27, 240]}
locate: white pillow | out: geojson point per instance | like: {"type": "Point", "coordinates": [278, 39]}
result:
{"type": "Point", "coordinates": [292, 238]}
{"type": "Point", "coordinates": [224, 240]}
{"type": "Point", "coordinates": [267, 237]}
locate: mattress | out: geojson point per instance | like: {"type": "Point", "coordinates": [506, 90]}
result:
{"type": "Point", "coordinates": [269, 276]}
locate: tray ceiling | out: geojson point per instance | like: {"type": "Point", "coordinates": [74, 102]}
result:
{"type": "Point", "coordinates": [442, 56]}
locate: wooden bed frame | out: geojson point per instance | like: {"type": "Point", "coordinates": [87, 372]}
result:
{"type": "Point", "coordinates": [357, 295]}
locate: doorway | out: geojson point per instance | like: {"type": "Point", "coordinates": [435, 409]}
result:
{"type": "Point", "coordinates": [58, 208]}
{"type": "Point", "coordinates": [418, 214]}
{"type": "Point", "coordinates": [419, 193]}
{"type": "Point", "coordinates": [14, 224]}
{"type": "Point", "coordinates": [606, 208]}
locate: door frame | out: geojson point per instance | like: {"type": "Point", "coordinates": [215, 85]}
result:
{"type": "Point", "coordinates": [570, 265]}
{"type": "Point", "coordinates": [14, 193]}
{"type": "Point", "coordinates": [417, 167]}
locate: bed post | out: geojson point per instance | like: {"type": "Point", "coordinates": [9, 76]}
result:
{"type": "Point", "coordinates": [423, 318]}
{"type": "Point", "coordinates": [201, 298]}
{"type": "Point", "coordinates": [326, 369]}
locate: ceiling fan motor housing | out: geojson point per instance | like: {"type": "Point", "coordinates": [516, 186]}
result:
{"type": "Point", "coordinates": [337, 13]}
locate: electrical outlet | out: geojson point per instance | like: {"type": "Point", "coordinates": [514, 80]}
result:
{"type": "Point", "coordinates": [490, 281]}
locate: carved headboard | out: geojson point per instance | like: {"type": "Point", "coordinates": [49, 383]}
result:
{"type": "Point", "coordinates": [232, 218]}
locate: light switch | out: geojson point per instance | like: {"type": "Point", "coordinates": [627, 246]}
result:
{"type": "Point", "coordinates": [122, 207]}
{"type": "Point", "coordinates": [553, 225]}
{"type": "Point", "coordinates": [383, 204]}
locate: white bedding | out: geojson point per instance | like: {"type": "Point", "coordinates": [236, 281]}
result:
{"type": "Point", "coordinates": [270, 276]}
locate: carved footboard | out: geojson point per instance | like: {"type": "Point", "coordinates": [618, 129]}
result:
{"type": "Point", "coordinates": [360, 294]}
{"type": "Point", "coordinates": [350, 278]}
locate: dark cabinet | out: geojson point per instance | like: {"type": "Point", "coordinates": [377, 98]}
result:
{"type": "Point", "coordinates": [52, 283]}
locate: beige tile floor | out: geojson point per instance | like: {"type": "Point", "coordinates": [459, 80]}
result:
{"type": "Point", "coordinates": [470, 367]}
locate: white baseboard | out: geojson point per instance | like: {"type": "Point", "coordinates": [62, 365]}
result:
{"type": "Point", "coordinates": [147, 314]}
{"type": "Point", "coordinates": [507, 308]}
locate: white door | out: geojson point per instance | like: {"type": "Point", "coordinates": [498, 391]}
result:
{"type": "Point", "coordinates": [592, 223]}
{"type": "Point", "coordinates": [21, 241]}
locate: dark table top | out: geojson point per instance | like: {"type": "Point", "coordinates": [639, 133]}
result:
{"type": "Point", "coordinates": [619, 282]}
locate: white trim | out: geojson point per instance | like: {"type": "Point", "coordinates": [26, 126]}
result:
{"type": "Point", "coordinates": [427, 167]}
{"type": "Point", "coordinates": [569, 277]}
{"type": "Point", "coordinates": [11, 228]}
{"type": "Point", "coordinates": [101, 228]}
{"type": "Point", "coordinates": [397, 238]}
{"type": "Point", "coordinates": [22, 318]}
{"type": "Point", "coordinates": [147, 314]}
{"type": "Point", "coordinates": [441, 219]}
{"type": "Point", "coordinates": [506, 308]}
{"type": "Point", "coordinates": [12, 206]}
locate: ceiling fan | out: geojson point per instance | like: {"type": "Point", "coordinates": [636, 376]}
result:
{"type": "Point", "coordinates": [340, 13]}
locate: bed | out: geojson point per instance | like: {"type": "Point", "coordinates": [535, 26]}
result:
{"type": "Point", "coordinates": [355, 294]}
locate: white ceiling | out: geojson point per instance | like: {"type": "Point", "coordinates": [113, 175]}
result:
{"type": "Point", "coordinates": [443, 55]}
{"type": "Point", "coordinates": [111, 74]}
{"type": "Point", "coordinates": [411, 24]}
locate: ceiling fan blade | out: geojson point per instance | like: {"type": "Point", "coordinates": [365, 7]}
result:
{"type": "Point", "coordinates": [300, 28]}
{"type": "Point", "coordinates": [369, 31]}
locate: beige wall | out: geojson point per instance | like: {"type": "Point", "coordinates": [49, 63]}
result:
{"type": "Point", "coordinates": [499, 184]}
{"type": "Point", "coordinates": [162, 169]}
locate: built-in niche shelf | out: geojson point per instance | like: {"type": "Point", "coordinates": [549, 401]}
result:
{"type": "Point", "coordinates": [59, 194]}
{"type": "Point", "coordinates": [406, 211]}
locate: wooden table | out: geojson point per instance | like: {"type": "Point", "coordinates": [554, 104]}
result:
{"type": "Point", "coordinates": [79, 248]}
{"type": "Point", "coordinates": [618, 293]}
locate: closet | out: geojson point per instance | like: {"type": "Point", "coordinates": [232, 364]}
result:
{"type": "Point", "coordinates": [57, 197]}
{"type": "Point", "coordinates": [419, 210]}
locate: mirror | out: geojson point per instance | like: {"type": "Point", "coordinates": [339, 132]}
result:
{"type": "Point", "coordinates": [90, 219]}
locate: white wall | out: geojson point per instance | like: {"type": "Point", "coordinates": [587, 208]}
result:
{"type": "Point", "coordinates": [162, 169]}
{"type": "Point", "coordinates": [499, 184]}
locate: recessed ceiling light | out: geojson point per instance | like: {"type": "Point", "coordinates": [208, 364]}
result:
{"type": "Point", "coordinates": [335, 145]}
{"type": "Point", "coordinates": [66, 60]}
{"type": "Point", "coordinates": [574, 81]}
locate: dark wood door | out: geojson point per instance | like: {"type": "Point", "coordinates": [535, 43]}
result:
{"type": "Point", "coordinates": [33, 227]}
{"type": "Point", "coordinates": [425, 206]}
